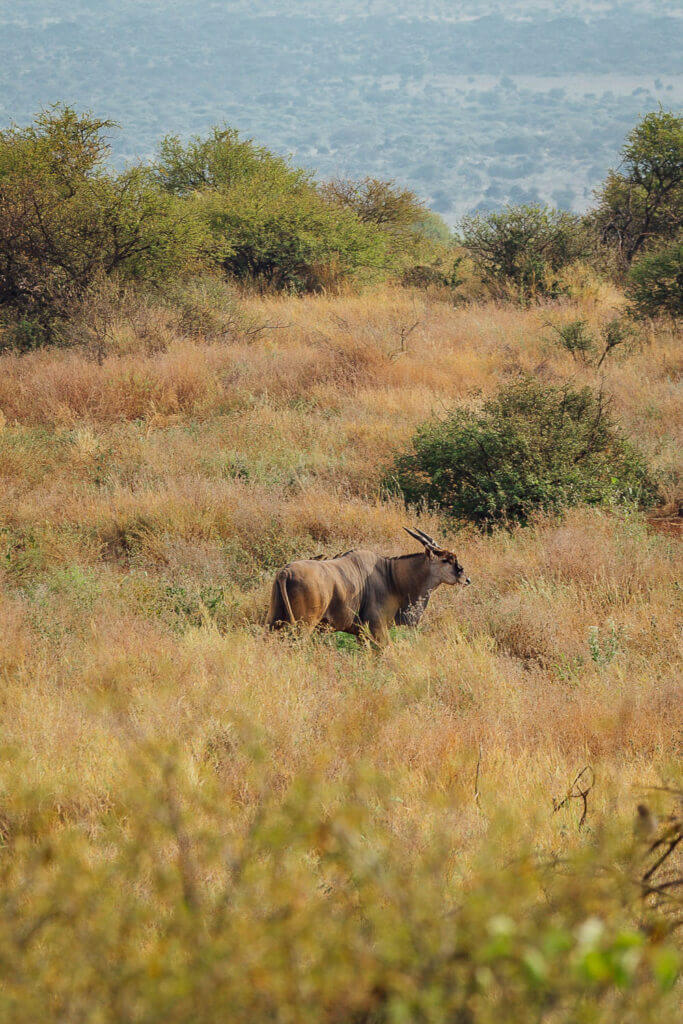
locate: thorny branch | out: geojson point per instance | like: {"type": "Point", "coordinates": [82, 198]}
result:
{"type": "Point", "coordinates": [663, 845]}
{"type": "Point", "coordinates": [575, 792]}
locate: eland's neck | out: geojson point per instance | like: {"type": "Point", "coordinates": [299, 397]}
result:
{"type": "Point", "coordinates": [412, 577]}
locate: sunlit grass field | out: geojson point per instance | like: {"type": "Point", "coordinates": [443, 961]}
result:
{"type": "Point", "coordinates": [154, 478]}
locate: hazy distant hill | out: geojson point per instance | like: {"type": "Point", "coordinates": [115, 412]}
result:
{"type": "Point", "coordinates": [469, 103]}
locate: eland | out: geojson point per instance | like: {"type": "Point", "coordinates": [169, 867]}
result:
{"type": "Point", "coordinates": [361, 592]}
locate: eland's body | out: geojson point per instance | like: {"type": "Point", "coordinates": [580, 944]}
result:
{"type": "Point", "coordinates": [361, 591]}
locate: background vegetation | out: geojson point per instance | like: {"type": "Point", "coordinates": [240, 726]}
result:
{"type": "Point", "coordinates": [473, 104]}
{"type": "Point", "coordinates": [197, 384]}
{"type": "Point", "coordinates": [222, 205]}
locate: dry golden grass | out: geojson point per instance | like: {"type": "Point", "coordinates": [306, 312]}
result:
{"type": "Point", "coordinates": [150, 490]}
{"type": "Point", "coordinates": [153, 479]}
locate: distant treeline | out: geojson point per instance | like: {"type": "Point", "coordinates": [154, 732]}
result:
{"type": "Point", "coordinates": [223, 205]}
{"type": "Point", "coordinates": [471, 104]}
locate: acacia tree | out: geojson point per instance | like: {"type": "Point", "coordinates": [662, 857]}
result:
{"type": "Point", "coordinates": [376, 202]}
{"type": "Point", "coordinates": [417, 241]}
{"type": "Point", "coordinates": [65, 220]}
{"type": "Point", "coordinates": [642, 201]}
{"type": "Point", "coordinates": [220, 161]}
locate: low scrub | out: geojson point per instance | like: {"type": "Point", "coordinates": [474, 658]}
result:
{"type": "Point", "coordinates": [532, 448]}
{"type": "Point", "coordinates": [521, 250]}
{"type": "Point", "coordinates": [315, 912]}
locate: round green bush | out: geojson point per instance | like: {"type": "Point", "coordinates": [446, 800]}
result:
{"type": "Point", "coordinates": [655, 283]}
{"type": "Point", "coordinates": [520, 250]}
{"type": "Point", "coordinates": [532, 448]}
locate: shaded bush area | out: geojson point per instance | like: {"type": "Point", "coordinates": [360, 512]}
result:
{"type": "Point", "coordinates": [532, 448]}
{"type": "Point", "coordinates": [521, 250]}
{"type": "Point", "coordinates": [315, 912]}
{"type": "Point", "coordinates": [417, 241]}
{"type": "Point", "coordinates": [655, 282]}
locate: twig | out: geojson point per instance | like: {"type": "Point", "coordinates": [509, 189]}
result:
{"type": "Point", "coordinates": [576, 793]}
{"type": "Point", "coordinates": [187, 870]}
{"type": "Point", "coordinates": [672, 841]}
{"type": "Point", "coordinates": [476, 779]}
{"type": "Point", "coordinates": [253, 332]}
{"type": "Point", "coordinates": [404, 334]}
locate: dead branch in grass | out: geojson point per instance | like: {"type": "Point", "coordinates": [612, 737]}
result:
{"type": "Point", "coordinates": [575, 792]}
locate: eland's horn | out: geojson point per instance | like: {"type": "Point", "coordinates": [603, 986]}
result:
{"type": "Point", "coordinates": [428, 539]}
{"type": "Point", "coordinates": [421, 537]}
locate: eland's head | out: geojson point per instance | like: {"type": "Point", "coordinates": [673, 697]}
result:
{"type": "Point", "coordinates": [444, 564]}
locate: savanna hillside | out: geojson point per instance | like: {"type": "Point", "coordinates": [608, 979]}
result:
{"type": "Point", "coordinates": [200, 821]}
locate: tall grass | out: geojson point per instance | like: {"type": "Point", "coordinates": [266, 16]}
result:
{"type": "Point", "coordinates": [197, 817]}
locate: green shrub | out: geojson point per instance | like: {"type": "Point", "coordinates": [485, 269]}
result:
{"type": "Point", "coordinates": [616, 333]}
{"type": "Point", "coordinates": [268, 220]}
{"type": "Point", "coordinates": [533, 447]}
{"type": "Point", "coordinates": [417, 243]}
{"type": "Point", "coordinates": [575, 338]}
{"type": "Point", "coordinates": [65, 221]}
{"type": "Point", "coordinates": [289, 238]}
{"type": "Point", "coordinates": [521, 249]}
{"type": "Point", "coordinates": [655, 283]}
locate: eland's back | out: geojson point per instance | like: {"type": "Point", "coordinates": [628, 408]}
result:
{"type": "Point", "coordinates": [328, 591]}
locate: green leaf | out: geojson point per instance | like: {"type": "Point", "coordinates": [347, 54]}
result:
{"type": "Point", "coordinates": [667, 967]}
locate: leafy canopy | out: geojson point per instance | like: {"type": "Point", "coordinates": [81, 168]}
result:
{"type": "Point", "coordinates": [376, 202]}
{"type": "Point", "coordinates": [65, 220]}
{"type": "Point", "coordinates": [268, 220]}
{"type": "Point", "coordinates": [655, 282]}
{"type": "Point", "coordinates": [219, 161]}
{"type": "Point", "coordinates": [642, 202]}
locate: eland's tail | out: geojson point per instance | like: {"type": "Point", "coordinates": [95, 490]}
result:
{"type": "Point", "coordinates": [280, 612]}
